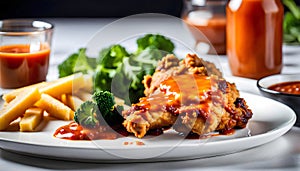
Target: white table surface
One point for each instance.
(281, 154)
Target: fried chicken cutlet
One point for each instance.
(189, 95)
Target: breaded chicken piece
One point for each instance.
(171, 66)
(189, 95)
(139, 122)
(197, 104)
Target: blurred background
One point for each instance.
(86, 8)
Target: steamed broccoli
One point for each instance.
(108, 61)
(86, 115)
(105, 101)
(118, 71)
(102, 78)
(112, 56)
(127, 83)
(155, 40)
(101, 108)
(77, 62)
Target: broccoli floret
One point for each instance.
(77, 62)
(108, 61)
(103, 78)
(86, 115)
(105, 101)
(150, 56)
(102, 108)
(112, 56)
(155, 40)
(127, 83)
(122, 73)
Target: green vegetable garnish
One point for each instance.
(112, 57)
(101, 108)
(291, 23)
(86, 114)
(108, 108)
(118, 71)
(77, 62)
(157, 41)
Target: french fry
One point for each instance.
(31, 119)
(8, 97)
(65, 85)
(73, 102)
(63, 99)
(55, 108)
(45, 96)
(18, 106)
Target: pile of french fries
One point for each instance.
(59, 99)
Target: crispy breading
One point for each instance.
(191, 95)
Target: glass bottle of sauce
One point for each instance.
(207, 22)
(254, 37)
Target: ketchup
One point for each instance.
(20, 67)
(292, 87)
(74, 131)
(254, 37)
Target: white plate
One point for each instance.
(244, 84)
(271, 119)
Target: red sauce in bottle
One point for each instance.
(20, 67)
(292, 87)
(254, 37)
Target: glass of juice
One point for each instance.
(24, 52)
(207, 17)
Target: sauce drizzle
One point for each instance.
(73, 131)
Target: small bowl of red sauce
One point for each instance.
(284, 88)
(24, 52)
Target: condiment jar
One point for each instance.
(254, 37)
(25, 47)
(206, 20)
